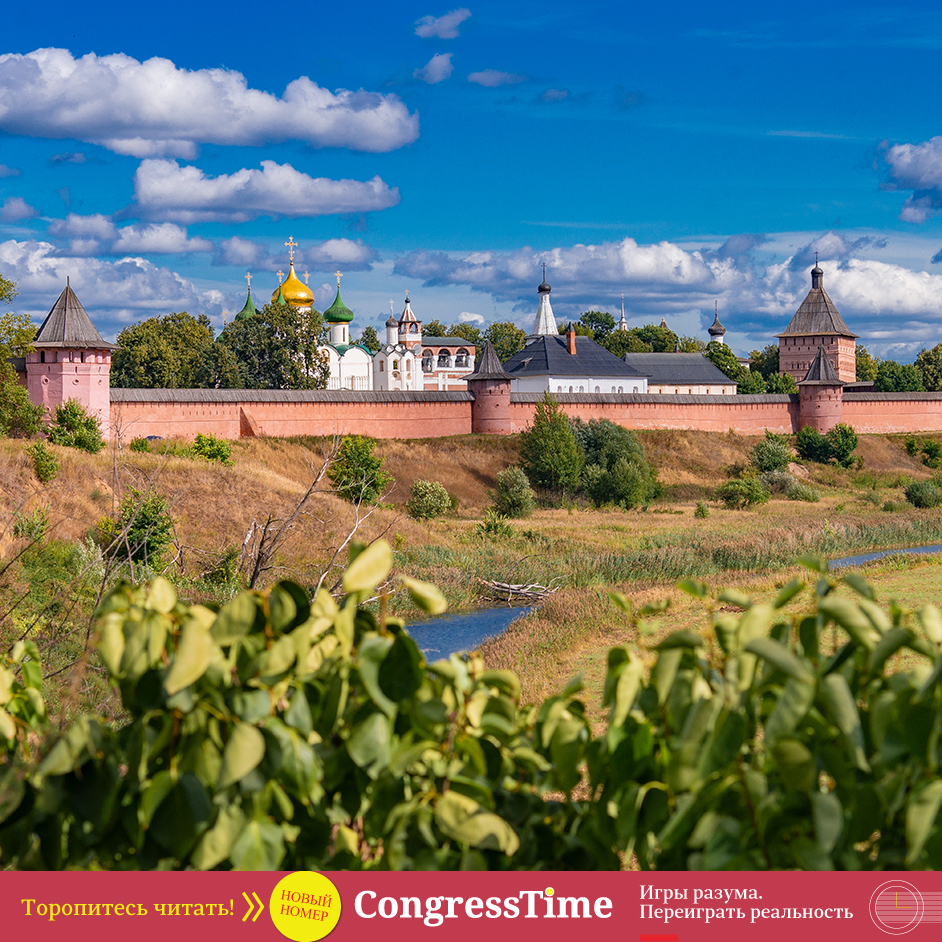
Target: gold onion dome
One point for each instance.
(295, 292)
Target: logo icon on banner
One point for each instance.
(304, 906)
(896, 907)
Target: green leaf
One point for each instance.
(426, 596)
(779, 656)
(369, 569)
(402, 670)
(12, 791)
(182, 816)
(111, 643)
(814, 563)
(260, 846)
(243, 752)
(464, 820)
(788, 592)
(693, 587)
(630, 675)
(859, 585)
(887, 646)
(843, 713)
(161, 596)
(191, 658)
(373, 652)
(152, 797)
(288, 606)
(931, 622)
(237, 618)
(795, 763)
(794, 702)
(851, 618)
(735, 597)
(368, 745)
(685, 638)
(216, 844)
(921, 812)
(7, 726)
(828, 819)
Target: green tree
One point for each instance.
(143, 530)
(660, 339)
(19, 418)
(929, 365)
(357, 473)
(897, 377)
(507, 339)
(866, 365)
(691, 344)
(781, 383)
(720, 355)
(751, 384)
(467, 332)
(163, 352)
(764, 361)
(369, 339)
(434, 328)
(599, 323)
(279, 349)
(549, 453)
(620, 342)
(74, 427)
(616, 471)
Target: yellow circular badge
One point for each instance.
(304, 906)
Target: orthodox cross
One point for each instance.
(292, 245)
(544, 271)
(339, 275)
(391, 307)
(307, 277)
(716, 309)
(248, 278)
(280, 275)
(815, 259)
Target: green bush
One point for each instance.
(616, 472)
(210, 448)
(804, 492)
(777, 482)
(932, 454)
(139, 444)
(513, 496)
(838, 444)
(702, 511)
(32, 526)
(924, 494)
(741, 493)
(285, 733)
(45, 462)
(843, 441)
(912, 446)
(74, 427)
(892, 506)
(811, 445)
(494, 524)
(357, 473)
(142, 532)
(771, 454)
(428, 499)
(549, 453)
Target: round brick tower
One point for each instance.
(490, 386)
(820, 395)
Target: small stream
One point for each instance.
(439, 637)
(869, 557)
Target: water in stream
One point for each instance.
(869, 557)
(464, 631)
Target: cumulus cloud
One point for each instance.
(97, 235)
(884, 303)
(347, 254)
(491, 78)
(441, 27)
(164, 190)
(916, 167)
(114, 293)
(436, 70)
(6, 171)
(16, 209)
(466, 317)
(239, 251)
(154, 109)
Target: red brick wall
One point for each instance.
(893, 412)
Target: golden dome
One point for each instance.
(295, 291)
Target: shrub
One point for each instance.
(357, 473)
(19, 418)
(932, 454)
(549, 453)
(513, 496)
(616, 472)
(771, 454)
(143, 530)
(210, 448)
(843, 441)
(494, 524)
(45, 462)
(74, 427)
(32, 526)
(811, 445)
(912, 446)
(702, 510)
(428, 499)
(741, 492)
(778, 482)
(139, 444)
(892, 506)
(804, 492)
(924, 494)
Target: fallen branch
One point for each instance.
(508, 592)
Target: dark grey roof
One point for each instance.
(444, 341)
(821, 372)
(68, 325)
(683, 368)
(284, 395)
(716, 329)
(817, 314)
(392, 322)
(547, 355)
(488, 365)
(670, 399)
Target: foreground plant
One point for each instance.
(286, 733)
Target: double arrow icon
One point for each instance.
(261, 907)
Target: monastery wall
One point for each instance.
(893, 412)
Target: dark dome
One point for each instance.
(392, 322)
(544, 287)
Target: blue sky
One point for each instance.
(682, 156)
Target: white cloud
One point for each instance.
(154, 109)
(166, 191)
(6, 171)
(437, 69)
(346, 254)
(70, 157)
(239, 251)
(15, 209)
(157, 239)
(114, 293)
(466, 317)
(491, 78)
(96, 226)
(442, 27)
(917, 167)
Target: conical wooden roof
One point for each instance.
(67, 325)
(488, 365)
(821, 372)
(817, 314)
